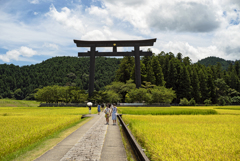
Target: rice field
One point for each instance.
(22, 126)
(188, 137)
(165, 111)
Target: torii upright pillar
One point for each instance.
(114, 43)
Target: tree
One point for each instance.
(160, 94)
(184, 89)
(124, 71)
(138, 95)
(172, 75)
(195, 85)
(211, 87)
(184, 102)
(187, 61)
(179, 56)
(203, 87)
(157, 70)
(113, 97)
(147, 61)
(121, 88)
(18, 94)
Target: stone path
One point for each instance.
(89, 147)
(94, 141)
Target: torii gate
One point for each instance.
(114, 43)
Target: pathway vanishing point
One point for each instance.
(93, 141)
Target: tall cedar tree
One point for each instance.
(196, 93)
(124, 71)
(172, 75)
(211, 86)
(203, 87)
(146, 60)
(184, 89)
(157, 70)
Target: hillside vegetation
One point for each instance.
(18, 103)
(214, 60)
(20, 82)
(184, 82)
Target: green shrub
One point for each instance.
(184, 102)
(223, 100)
(208, 102)
(192, 102)
(236, 99)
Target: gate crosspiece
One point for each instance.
(114, 44)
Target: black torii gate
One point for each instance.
(114, 43)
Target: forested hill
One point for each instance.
(20, 82)
(214, 60)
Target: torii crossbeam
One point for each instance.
(114, 43)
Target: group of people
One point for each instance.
(110, 110)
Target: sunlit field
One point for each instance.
(189, 137)
(22, 126)
(184, 137)
(165, 111)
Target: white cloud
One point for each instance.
(34, 1)
(66, 18)
(195, 53)
(51, 46)
(101, 14)
(174, 15)
(94, 35)
(184, 16)
(16, 54)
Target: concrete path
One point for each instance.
(92, 141)
(113, 148)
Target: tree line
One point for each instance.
(22, 82)
(163, 72)
(192, 81)
(115, 92)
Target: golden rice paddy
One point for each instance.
(22, 126)
(187, 137)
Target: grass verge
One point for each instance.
(127, 146)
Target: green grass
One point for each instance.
(18, 103)
(229, 108)
(165, 111)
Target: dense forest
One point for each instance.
(21, 82)
(214, 60)
(198, 82)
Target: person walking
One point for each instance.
(89, 104)
(99, 108)
(107, 112)
(114, 114)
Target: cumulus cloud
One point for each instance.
(101, 14)
(97, 35)
(195, 53)
(16, 54)
(184, 16)
(33, 1)
(174, 15)
(67, 18)
(51, 46)
(228, 40)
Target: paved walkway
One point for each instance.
(94, 141)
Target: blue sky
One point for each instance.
(32, 31)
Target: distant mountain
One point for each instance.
(214, 60)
